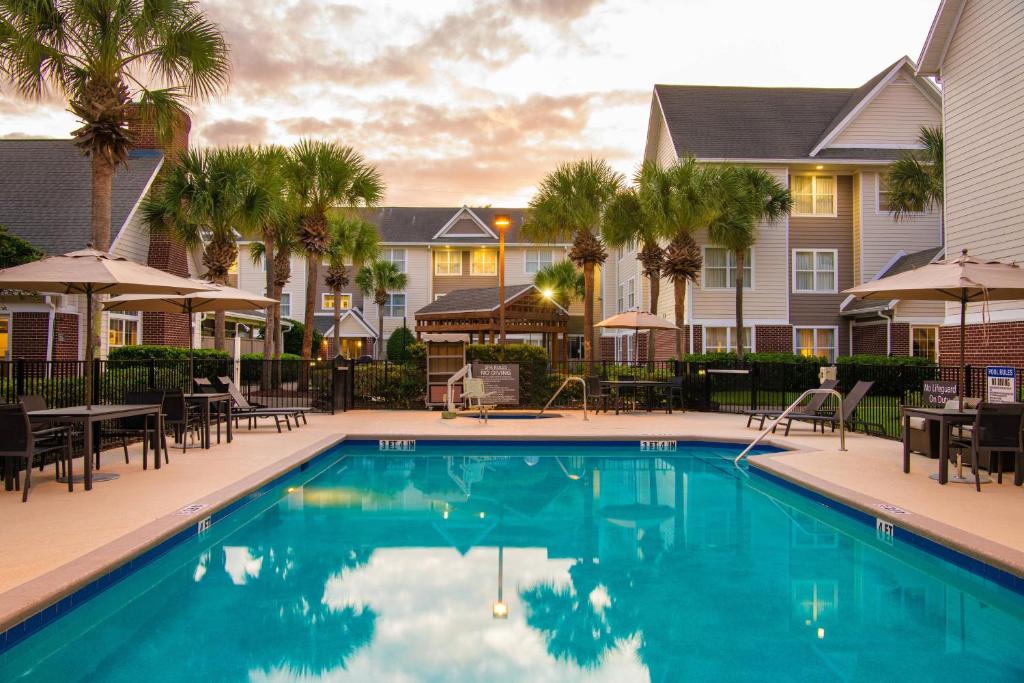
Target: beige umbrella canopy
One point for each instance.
(636, 320)
(963, 279)
(217, 298)
(92, 272)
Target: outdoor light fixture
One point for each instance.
(548, 293)
(499, 610)
(818, 167)
(502, 222)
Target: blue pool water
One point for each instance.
(613, 566)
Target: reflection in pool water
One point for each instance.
(523, 563)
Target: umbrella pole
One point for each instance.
(88, 350)
(191, 346)
(963, 326)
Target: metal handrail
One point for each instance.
(568, 379)
(790, 409)
(462, 372)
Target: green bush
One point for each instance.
(252, 364)
(399, 343)
(892, 375)
(391, 385)
(143, 352)
(293, 338)
(535, 384)
(889, 361)
(169, 360)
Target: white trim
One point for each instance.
(730, 342)
(731, 287)
(940, 14)
(405, 305)
(875, 145)
(329, 334)
(1011, 315)
(910, 338)
(472, 262)
(835, 338)
(405, 256)
(814, 194)
(814, 271)
(852, 161)
(664, 122)
(551, 258)
(449, 252)
(138, 203)
(470, 245)
(864, 101)
(458, 215)
(731, 322)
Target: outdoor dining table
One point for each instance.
(947, 419)
(649, 384)
(205, 401)
(88, 417)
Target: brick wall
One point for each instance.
(870, 339)
(28, 335)
(65, 336)
(606, 350)
(991, 344)
(773, 338)
(900, 345)
(146, 136)
(166, 328)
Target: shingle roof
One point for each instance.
(900, 265)
(715, 122)
(45, 192)
(419, 224)
(473, 300)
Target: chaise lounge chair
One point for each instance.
(810, 408)
(244, 409)
(297, 411)
(850, 403)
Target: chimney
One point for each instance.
(146, 137)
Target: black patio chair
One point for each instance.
(249, 411)
(997, 429)
(43, 430)
(184, 419)
(812, 407)
(848, 417)
(627, 394)
(675, 389)
(205, 386)
(145, 426)
(598, 397)
(19, 443)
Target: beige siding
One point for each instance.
(858, 191)
(418, 269)
(882, 237)
(132, 241)
(659, 141)
(251, 278)
(893, 117)
(983, 80)
(450, 283)
(920, 311)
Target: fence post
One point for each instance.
(19, 378)
(707, 388)
(968, 381)
(677, 367)
(351, 382)
(754, 372)
(152, 373)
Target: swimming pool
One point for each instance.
(534, 562)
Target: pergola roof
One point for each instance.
(477, 311)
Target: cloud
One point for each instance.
(235, 131)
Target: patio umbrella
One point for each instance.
(964, 279)
(92, 272)
(217, 298)
(636, 321)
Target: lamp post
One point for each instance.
(502, 223)
(499, 610)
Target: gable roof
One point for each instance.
(940, 34)
(324, 324)
(430, 224)
(719, 122)
(45, 195)
(902, 264)
(477, 300)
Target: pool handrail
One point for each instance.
(568, 379)
(785, 414)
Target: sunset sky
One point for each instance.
(472, 102)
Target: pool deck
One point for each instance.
(59, 541)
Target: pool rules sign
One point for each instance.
(1002, 384)
(501, 380)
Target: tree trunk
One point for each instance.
(312, 276)
(268, 330)
(588, 311)
(739, 304)
(679, 294)
(102, 186)
(337, 323)
(378, 348)
(220, 334)
(655, 292)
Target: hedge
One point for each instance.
(252, 364)
(148, 352)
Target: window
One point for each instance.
(395, 307)
(327, 301)
(396, 256)
(884, 205)
(123, 330)
(627, 295)
(448, 262)
(5, 335)
(286, 305)
(722, 339)
(624, 348)
(925, 342)
(575, 346)
(485, 262)
(720, 269)
(537, 259)
(814, 195)
(814, 270)
(233, 273)
(816, 341)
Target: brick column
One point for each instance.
(774, 338)
(170, 329)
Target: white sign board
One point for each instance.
(1002, 384)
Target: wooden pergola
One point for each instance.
(476, 312)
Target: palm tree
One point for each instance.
(679, 200)
(377, 279)
(627, 225)
(321, 176)
(915, 180)
(569, 204)
(752, 196)
(102, 57)
(563, 282)
(355, 241)
(201, 201)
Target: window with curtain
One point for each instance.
(123, 330)
(395, 306)
(816, 342)
(631, 294)
(396, 256)
(925, 342)
(720, 269)
(814, 270)
(813, 195)
(448, 262)
(722, 339)
(286, 304)
(485, 262)
(537, 259)
(327, 301)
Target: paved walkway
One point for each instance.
(56, 527)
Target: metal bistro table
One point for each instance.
(947, 418)
(205, 401)
(649, 384)
(88, 417)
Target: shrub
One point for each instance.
(398, 344)
(392, 385)
(293, 338)
(144, 352)
(535, 385)
(252, 364)
(168, 359)
(892, 375)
